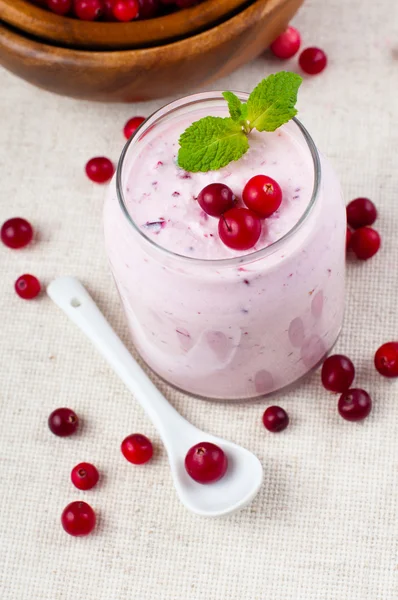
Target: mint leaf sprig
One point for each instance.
(213, 142)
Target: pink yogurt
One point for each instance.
(210, 320)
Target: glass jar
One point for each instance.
(239, 327)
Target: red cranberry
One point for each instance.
(16, 233)
(215, 199)
(126, 10)
(78, 518)
(88, 10)
(206, 462)
(287, 44)
(262, 195)
(338, 373)
(186, 3)
(239, 228)
(348, 236)
(312, 61)
(275, 419)
(99, 169)
(63, 422)
(27, 287)
(148, 9)
(107, 10)
(365, 242)
(84, 476)
(361, 212)
(137, 449)
(354, 405)
(132, 125)
(60, 7)
(386, 359)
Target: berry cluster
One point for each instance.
(114, 10)
(239, 228)
(364, 241)
(311, 60)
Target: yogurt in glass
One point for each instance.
(210, 320)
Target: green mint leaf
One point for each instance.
(210, 144)
(271, 103)
(234, 106)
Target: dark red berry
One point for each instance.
(386, 359)
(137, 449)
(365, 242)
(16, 233)
(186, 3)
(206, 462)
(60, 7)
(99, 169)
(361, 212)
(287, 44)
(239, 228)
(338, 373)
(126, 10)
(215, 199)
(107, 10)
(63, 422)
(348, 236)
(312, 61)
(275, 419)
(354, 405)
(78, 518)
(148, 9)
(132, 125)
(88, 10)
(84, 476)
(262, 195)
(27, 287)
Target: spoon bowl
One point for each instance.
(244, 475)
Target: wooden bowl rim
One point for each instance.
(68, 31)
(108, 60)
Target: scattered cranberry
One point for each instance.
(186, 3)
(137, 449)
(262, 195)
(84, 476)
(215, 199)
(338, 373)
(63, 422)
(78, 518)
(354, 405)
(239, 228)
(16, 233)
(386, 359)
(88, 10)
(275, 419)
(365, 242)
(126, 10)
(361, 212)
(287, 44)
(348, 236)
(312, 61)
(60, 7)
(27, 287)
(132, 125)
(148, 9)
(99, 169)
(206, 462)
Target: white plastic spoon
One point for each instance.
(244, 475)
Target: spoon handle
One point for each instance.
(71, 296)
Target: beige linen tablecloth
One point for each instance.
(324, 526)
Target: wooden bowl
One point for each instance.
(73, 33)
(137, 75)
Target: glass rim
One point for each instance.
(219, 262)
